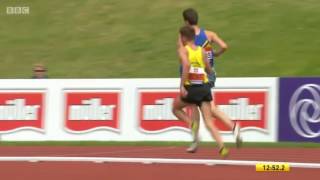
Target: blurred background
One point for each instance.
(121, 39)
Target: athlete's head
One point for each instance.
(187, 34)
(190, 16)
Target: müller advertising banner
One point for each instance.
(90, 110)
(299, 115)
(21, 109)
(249, 107)
(129, 109)
(155, 111)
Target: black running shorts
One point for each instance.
(197, 94)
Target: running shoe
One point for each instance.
(195, 142)
(224, 152)
(193, 147)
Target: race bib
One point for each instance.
(196, 75)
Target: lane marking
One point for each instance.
(153, 160)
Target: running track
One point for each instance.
(87, 170)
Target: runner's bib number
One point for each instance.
(196, 75)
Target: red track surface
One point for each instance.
(81, 171)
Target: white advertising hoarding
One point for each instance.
(128, 109)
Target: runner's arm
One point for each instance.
(213, 37)
(182, 52)
(179, 42)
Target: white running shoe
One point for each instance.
(193, 147)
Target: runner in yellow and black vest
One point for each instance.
(194, 86)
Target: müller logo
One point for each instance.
(240, 109)
(16, 109)
(161, 110)
(155, 111)
(304, 110)
(91, 109)
(249, 107)
(22, 110)
(88, 110)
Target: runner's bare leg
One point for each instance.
(207, 117)
(218, 114)
(178, 111)
(195, 116)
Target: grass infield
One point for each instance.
(137, 39)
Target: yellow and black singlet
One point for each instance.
(197, 73)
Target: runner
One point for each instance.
(194, 87)
(205, 39)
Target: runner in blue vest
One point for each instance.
(206, 39)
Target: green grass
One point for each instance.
(120, 39)
(153, 143)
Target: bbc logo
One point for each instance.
(18, 10)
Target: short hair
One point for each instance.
(187, 32)
(39, 67)
(191, 16)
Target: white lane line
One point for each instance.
(153, 160)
